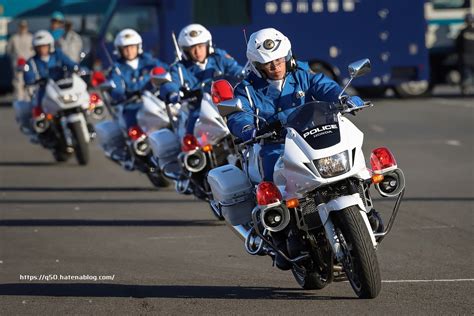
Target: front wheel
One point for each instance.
(157, 179)
(81, 148)
(360, 260)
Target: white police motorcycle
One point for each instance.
(187, 158)
(129, 147)
(319, 203)
(61, 122)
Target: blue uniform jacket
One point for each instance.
(300, 86)
(218, 63)
(39, 69)
(129, 80)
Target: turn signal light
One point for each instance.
(377, 178)
(268, 193)
(292, 203)
(207, 148)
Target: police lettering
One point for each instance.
(320, 129)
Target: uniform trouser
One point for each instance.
(193, 116)
(129, 115)
(270, 154)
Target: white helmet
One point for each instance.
(43, 37)
(127, 37)
(194, 34)
(267, 45)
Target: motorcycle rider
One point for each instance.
(276, 84)
(47, 62)
(200, 64)
(131, 72)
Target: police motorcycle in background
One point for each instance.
(187, 158)
(61, 123)
(319, 200)
(130, 147)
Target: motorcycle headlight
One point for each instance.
(68, 98)
(334, 165)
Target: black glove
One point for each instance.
(275, 126)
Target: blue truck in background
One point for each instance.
(329, 34)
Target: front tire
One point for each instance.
(81, 148)
(157, 179)
(360, 260)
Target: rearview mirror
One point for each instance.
(359, 68)
(228, 107)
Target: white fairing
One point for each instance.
(295, 172)
(210, 127)
(152, 116)
(57, 99)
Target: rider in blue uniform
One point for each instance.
(47, 63)
(131, 73)
(201, 64)
(276, 84)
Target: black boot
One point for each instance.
(375, 221)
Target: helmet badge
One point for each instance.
(194, 33)
(268, 44)
(128, 35)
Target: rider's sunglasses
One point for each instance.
(276, 63)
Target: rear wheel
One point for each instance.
(360, 260)
(81, 148)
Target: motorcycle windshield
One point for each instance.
(317, 123)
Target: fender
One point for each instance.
(341, 203)
(79, 117)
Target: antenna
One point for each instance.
(245, 36)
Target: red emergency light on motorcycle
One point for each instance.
(268, 193)
(135, 132)
(382, 160)
(221, 90)
(189, 143)
(97, 78)
(388, 178)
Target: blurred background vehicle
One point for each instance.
(329, 34)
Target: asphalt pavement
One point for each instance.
(98, 239)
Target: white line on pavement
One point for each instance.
(377, 128)
(427, 281)
(453, 142)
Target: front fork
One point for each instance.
(339, 205)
